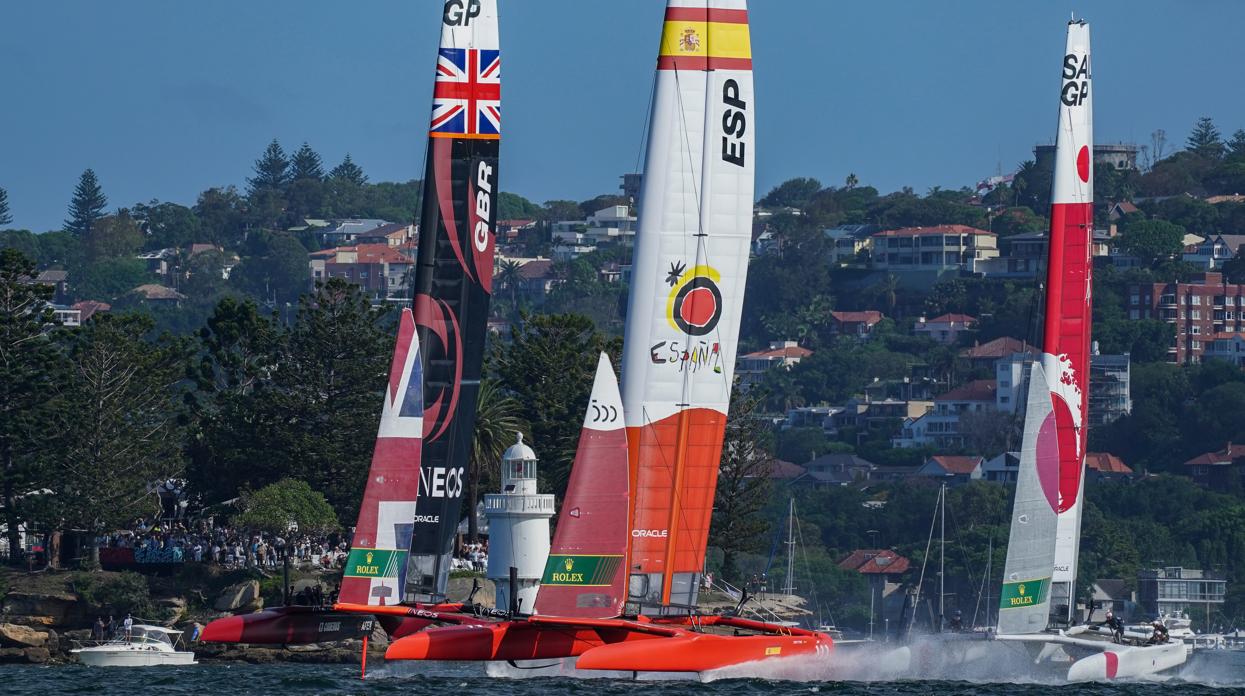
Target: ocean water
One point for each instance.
(435, 679)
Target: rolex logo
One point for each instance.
(570, 564)
(1021, 589)
(369, 558)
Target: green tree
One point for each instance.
(285, 505)
(743, 485)
(221, 215)
(30, 363)
(276, 271)
(793, 193)
(1205, 139)
(1236, 146)
(5, 217)
(272, 171)
(548, 366)
(306, 164)
(167, 225)
(118, 422)
(1152, 241)
(87, 205)
(348, 171)
(303, 401)
(109, 278)
(511, 206)
(497, 421)
(113, 236)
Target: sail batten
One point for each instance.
(453, 277)
(690, 262)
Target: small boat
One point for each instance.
(146, 646)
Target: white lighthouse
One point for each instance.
(518, 523)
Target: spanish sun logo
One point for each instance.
(695, 302)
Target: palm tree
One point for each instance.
(497, 420)
(509, 277)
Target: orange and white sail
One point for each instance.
(690, 267)
(1065, 343)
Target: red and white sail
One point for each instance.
(691, 262)
(585, 574)
(376, 567)
(1065, 343)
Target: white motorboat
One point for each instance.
(146, 646)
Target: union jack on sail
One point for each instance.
(467, 97)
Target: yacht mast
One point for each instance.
(789, 589)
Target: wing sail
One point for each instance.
(691, 262)
(454, 271)
(584, 576)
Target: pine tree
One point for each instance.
(349, 171)
(87, 205)
(1205, 139)
(5, 217)
(1236, 146)
(306, 164)
(272, 170)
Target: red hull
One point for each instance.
(288, 626)
(700, 652)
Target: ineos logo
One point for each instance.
(1076, 80)
(459, 13)
(484, 205)
(734, 124)
(441, 482)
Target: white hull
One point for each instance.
(108, 657)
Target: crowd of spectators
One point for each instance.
(202, 541)
(471, 556)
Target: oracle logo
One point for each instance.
(652, 533)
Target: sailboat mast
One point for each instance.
(790, 586)
(942, 555)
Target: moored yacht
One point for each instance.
(143, 646)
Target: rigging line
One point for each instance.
(920, 583)
(959, 540)
(648, 118)
(812, 587)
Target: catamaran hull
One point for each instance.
(702, 652)
(505, 642)
(289, 626)
(1128, 662)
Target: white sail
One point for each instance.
(1024, 603)
(1065, 346)
(691, 262)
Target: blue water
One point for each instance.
(292, 679)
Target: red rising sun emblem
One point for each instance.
(695, 302)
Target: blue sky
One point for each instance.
(164, 99)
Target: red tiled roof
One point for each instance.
(1223, 456)
(540, 268)
(938, 229)
(784, 352)
(949, 318)
(368, 253)
(954, 464)
(868, 317)
(998, 348)
(783, 470)
(875, 561)
(87, 308)
(1106, 463)
(976, 390)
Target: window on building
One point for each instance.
(1134, 299)
(1134, 314)
(1197, 330)
(1195, 314)
(1197, 299)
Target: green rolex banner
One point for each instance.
(580, 571)
(374, 563)
(1024, 593)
